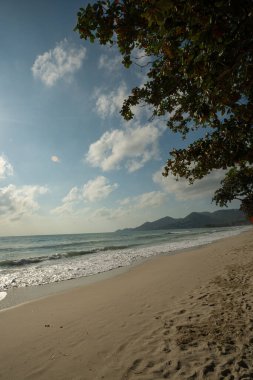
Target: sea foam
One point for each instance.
(44, 272)
(2, 295)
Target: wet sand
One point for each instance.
(187, 316)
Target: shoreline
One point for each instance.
(182, 316)
(20, 296)
(17, 296)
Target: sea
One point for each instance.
(37, 260)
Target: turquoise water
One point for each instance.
(36, 260)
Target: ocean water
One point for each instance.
(37, 260)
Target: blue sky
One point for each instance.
(68, 162)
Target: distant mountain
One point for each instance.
(220, 218)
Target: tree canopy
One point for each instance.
(200, 75)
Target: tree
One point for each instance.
(200, 76)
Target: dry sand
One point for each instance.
(187, 316)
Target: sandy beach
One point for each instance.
(186, 316)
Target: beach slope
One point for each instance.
(186, 316)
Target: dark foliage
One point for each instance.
(200, 73)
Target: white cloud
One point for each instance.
(113, 62)
(202, 188)
(145, 200)
(102, 212)
(6, 169)
(128, 206)
(110, 64)
(94, 190)
(151, 199)
(97, 189)
(111, 213)
(73, 195)
(55, 159)
(16, 202)
(110, 103)
(58, 63)
(125, 201)
(65, 208)
(134, 146)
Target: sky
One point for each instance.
(69, 163)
